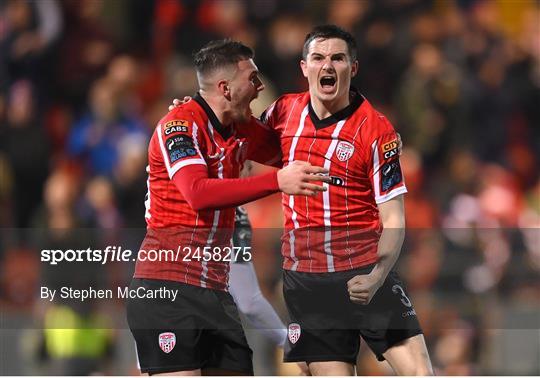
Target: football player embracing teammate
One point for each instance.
(195, 157)
(340, 246)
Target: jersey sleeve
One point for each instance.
(264, 145)
(383, 161)
(181, 142)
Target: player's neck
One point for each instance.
(218, 106)
(324, 109)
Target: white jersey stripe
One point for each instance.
(308, 245)
(347, 192)
(326, 199)
(194, 134)
(393, 193)
(215, 223)
(376, 175)
(163, 150)
(290, 115)
(298, 133)
(291, 198)
(185, 163)
(191, 245)
(147, 214)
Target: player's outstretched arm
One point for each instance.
(362, 288)
(202, 192)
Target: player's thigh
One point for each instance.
(230, 352)
(318, 306)
(390, 318)
(410, 357)
(167, 333)
(327, 368)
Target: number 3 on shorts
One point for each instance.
(396, 289)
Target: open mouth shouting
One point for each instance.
(328, 84)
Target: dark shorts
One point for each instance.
(326, 325)
(201, 329)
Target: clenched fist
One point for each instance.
(362, 288)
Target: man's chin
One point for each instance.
(326, 97)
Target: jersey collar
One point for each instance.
(356, 101)
(225, 132)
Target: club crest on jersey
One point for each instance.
(167, 341)
(344, 151)
(294, 332)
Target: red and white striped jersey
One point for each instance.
(192, 134)
(338, 229)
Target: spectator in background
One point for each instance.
(129, 179)
(84, 52)
(94, 138)
(77, 335)
(31, 29)
(99, 204)
(26, 149)
(285, 36)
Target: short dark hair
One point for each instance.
(327, 32)
(222, 52)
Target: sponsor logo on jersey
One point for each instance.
(344, 151)
(388, 154)
(294, 332)
(177, 122)
(167, 341)
(390, 145)
(338, 181)
(391, 175)
(176, 129)
(179, 147)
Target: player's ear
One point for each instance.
(224, 88)
(354, 68)
(303, 66)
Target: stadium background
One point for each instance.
(83, 82)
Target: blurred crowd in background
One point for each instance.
(84, 82)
